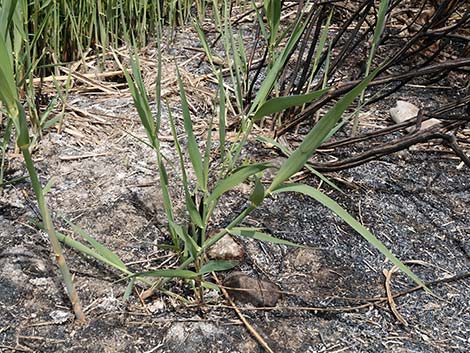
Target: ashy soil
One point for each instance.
(333, 300)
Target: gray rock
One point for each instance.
(405, 111)
(226, 249)
(248, 290)
(60, 316)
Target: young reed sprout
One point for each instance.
(71, 27)
(16, 114)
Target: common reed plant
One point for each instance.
(11, 44)
(88, 26)
(191, 243)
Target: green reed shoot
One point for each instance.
(189, 235)
(16, 113)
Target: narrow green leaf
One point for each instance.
(380, 25)
(6, 14)
(22, 133)
(110, 256)
(205, 45)
(48, 111)
(255, 234)
(257, 195)
(210, 285)
(235, 179)
(193, 149)
(222, 117)
(216, 266)
(158, 82)
(139, 95)
(140, 100)
(237, 65)
(287, 152)
(278, 104)
(5, 143)
(273, 13)
(87, 251)
(189, 242)
(128, 291)
(321, 47)
(8, 93)
(48, 186)
(315, 137)
(53, 121)
(207, 153)
(194, 212)
(277, 67)
(358, 227)
(165, 192)
(190, 205)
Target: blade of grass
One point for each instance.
(378, 30)
(315, 137)
(15, 111)
(235, 179)
(216, 266)
(87, 251)
(278, 104)
(168, 273)
(358, 227)
(5, 143)
(319, 50)
(257, 196)
(287, 152)
(190, 205)
(139, 96)
(188, 241)
(277, 67)
(193, 149)
(222, 118)
(110, 256)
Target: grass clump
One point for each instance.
(189, 237)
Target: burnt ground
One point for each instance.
(106, 181)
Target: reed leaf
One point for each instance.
(222, 118)
(316, 136)
(235, 179)
(190, 205)
(168, 273)
(279, 104)
(107, 254)
(216, 266)
(276, 68)
(287, 152)
(193, 149)
(344, 215)
(257, 196)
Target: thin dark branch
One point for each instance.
(399, 145)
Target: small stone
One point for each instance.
(156, 306)
(245, 289)
(40, 282)
(406, 111)
(60, 316)
(428, 123)
(307, 260)
(110, 304)
(226, 249)
(403, 111)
